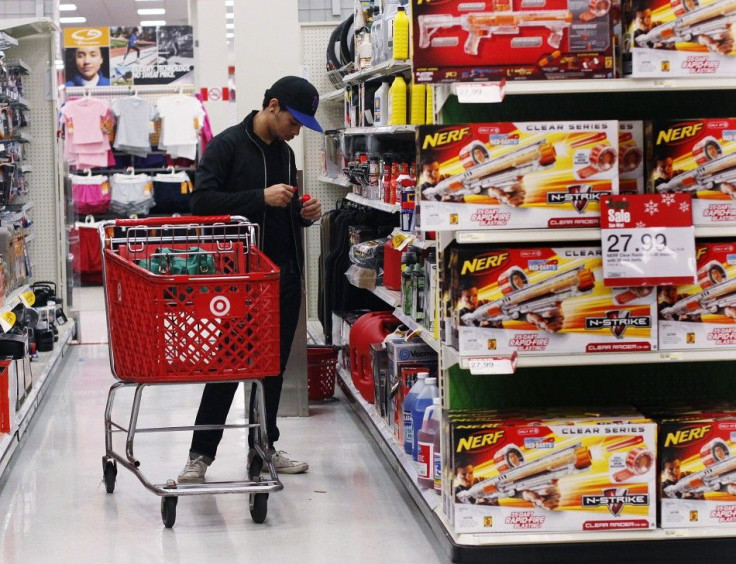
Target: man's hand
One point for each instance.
(514, 197)
(547, 497)
(311, 209)
(721, 43)
(551, 321)
(278, 195)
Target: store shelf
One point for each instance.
(380, 130)
(19, 65)
(565, 235)
(375, 204)
(44, 370)
(391, 297)
(387, 68)
(334, 96)
(25, 27)
(402, 463)
(616, 85)
(344, 182)
(451, 357)
(424, 333)
(6, 41)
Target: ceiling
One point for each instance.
(103, 13)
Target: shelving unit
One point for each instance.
(375, 204)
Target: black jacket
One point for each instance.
(231, 178)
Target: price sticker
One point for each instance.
(28, 298)
(480, 92)
(648, 240)
(492, 364)
(7, 320)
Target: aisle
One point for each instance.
(349, 507)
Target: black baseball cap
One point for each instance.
(299, 97)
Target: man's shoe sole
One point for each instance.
(300, 469)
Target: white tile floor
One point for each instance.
(349, 507)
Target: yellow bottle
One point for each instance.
(397, 102)
(418, 103)
(401, 35)
(429, 113)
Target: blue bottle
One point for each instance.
(423, 401)
(409, 402)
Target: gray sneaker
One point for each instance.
(193, 472)
(285, 465)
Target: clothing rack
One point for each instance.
(127, 90)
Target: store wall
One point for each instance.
(324, 10)
(29, 9)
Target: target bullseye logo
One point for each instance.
(220, 305)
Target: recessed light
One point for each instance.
(152, 23)
(229, 35)
(151, 11)
(229, 2)
(229, 26)
(73, 19)
(67, 7)
(229, 16)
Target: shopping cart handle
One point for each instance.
(177, 220)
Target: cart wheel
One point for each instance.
(168, 510)
(109, 472)
(258, 507)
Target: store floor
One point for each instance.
(348, 508)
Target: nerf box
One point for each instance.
(545, 300)
(516, 175)
(701, 315)
(563, 475)
(697, 471)
(697, 156)
(512, 39)
(631, 168)
(676, 38)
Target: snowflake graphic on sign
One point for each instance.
(640, 224)
(668, 199)
(684, 206)
(651, 207)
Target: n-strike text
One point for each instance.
(480, 441)
(565, 126)
(687, 435)
(445, 137)
(483, 263)
(679, 133)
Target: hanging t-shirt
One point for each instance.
(134, 116)
(85, 115)
(181, 117)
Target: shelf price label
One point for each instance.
(492, 364)
(480, 92)
(648, 240)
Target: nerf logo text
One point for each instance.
(479, 441)
(615, 500)
(445, 137)
(679, 133)
(479, 264)
(684, 436)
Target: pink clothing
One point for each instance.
(85, 115)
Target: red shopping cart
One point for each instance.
(189, 300)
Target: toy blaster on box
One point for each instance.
(553, 475)
(698, 157)
(480, 41)
(702, 315)
(542, 300)
(698, 471)
(516, 175)
(679, 38)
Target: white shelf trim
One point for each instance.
(390, 208)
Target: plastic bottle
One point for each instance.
(401, 35)
(390, 7)
(397, 102)
(428, 455)
(409, 402)
(380, 104)
(378, 44)
(418, 104)
(423, 401)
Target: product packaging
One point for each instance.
(697, 156)
(516, 175)
(542, 301)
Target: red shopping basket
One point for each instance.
(321, 372)
(204, 327)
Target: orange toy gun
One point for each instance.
(486, 25)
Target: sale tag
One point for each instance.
(480, 92)
(28, 298)
(648, 240)
(7, 320)
(493, 364)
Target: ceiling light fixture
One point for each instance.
(229, 26)
(151, 11)
(152, 23)
(229, 16)
(67, 7)
(73, 19)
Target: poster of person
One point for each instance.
(129, 56)
(87, 56)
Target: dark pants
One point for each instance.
(217, 398)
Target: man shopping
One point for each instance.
(250, 170)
